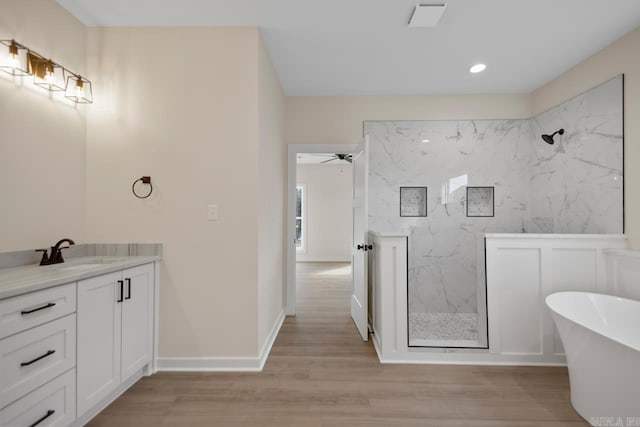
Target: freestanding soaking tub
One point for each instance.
(601, 338)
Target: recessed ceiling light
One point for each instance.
(478, 68)
(425, 140)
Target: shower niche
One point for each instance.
(490, 176)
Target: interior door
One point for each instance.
(359, 243)
(137, 319)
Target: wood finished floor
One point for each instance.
(321, 374)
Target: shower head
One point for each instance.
(549, 138)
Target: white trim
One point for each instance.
(224, 364)
(443, 357)
(271, 338)
(322, 259)
(152, 368)
(209, 364)
(292, 151)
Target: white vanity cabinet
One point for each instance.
(68, 348)
(115, 331)
(37, 358)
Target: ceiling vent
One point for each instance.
(427, 15)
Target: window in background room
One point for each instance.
(300, 218)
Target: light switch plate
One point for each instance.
(212, 212)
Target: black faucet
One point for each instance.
(56, 253)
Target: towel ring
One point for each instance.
(144, 180)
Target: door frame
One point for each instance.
(292, 156)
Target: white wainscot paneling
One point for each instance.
(518, 290)
(623, 273)
(522, 270)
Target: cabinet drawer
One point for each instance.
(53, 404)
(26, 311)
(31, 358)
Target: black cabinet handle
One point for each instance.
(47, 354)
(44, 417)
(49, 305)
(121, 297)
(128, 288)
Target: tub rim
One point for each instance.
(599, 295)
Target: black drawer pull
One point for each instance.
(128, 289)
(121, 296)
(33, 310)
(47, 354)
(44, 417)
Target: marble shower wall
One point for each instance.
(574, 186)
(442, 246)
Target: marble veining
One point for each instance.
(442, 246)
(576, 183)
(573, 186)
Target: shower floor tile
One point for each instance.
(443, 326)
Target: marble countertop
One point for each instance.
(29, 278)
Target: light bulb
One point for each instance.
(13, 55)
(49, 75)
(80, 89)
(13, 60)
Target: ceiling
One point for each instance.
(365, 47)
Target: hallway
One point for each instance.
(321, 374)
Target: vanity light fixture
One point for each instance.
(22, 61)
(14, 62)
(46, 73)
(79, 89)
(478, 68)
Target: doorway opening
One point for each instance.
(323, 233)
(319, 226)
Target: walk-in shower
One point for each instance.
(445, 184)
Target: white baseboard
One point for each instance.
(224, 364)
(322, 259)
(376, 344)
(271, 338)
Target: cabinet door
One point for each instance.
(137, 319)
(99, 321)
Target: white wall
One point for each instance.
(338, 119)
(42, 136)
(328, 211)
(272, 183)
(197, 137)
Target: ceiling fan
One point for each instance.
(345, 157)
